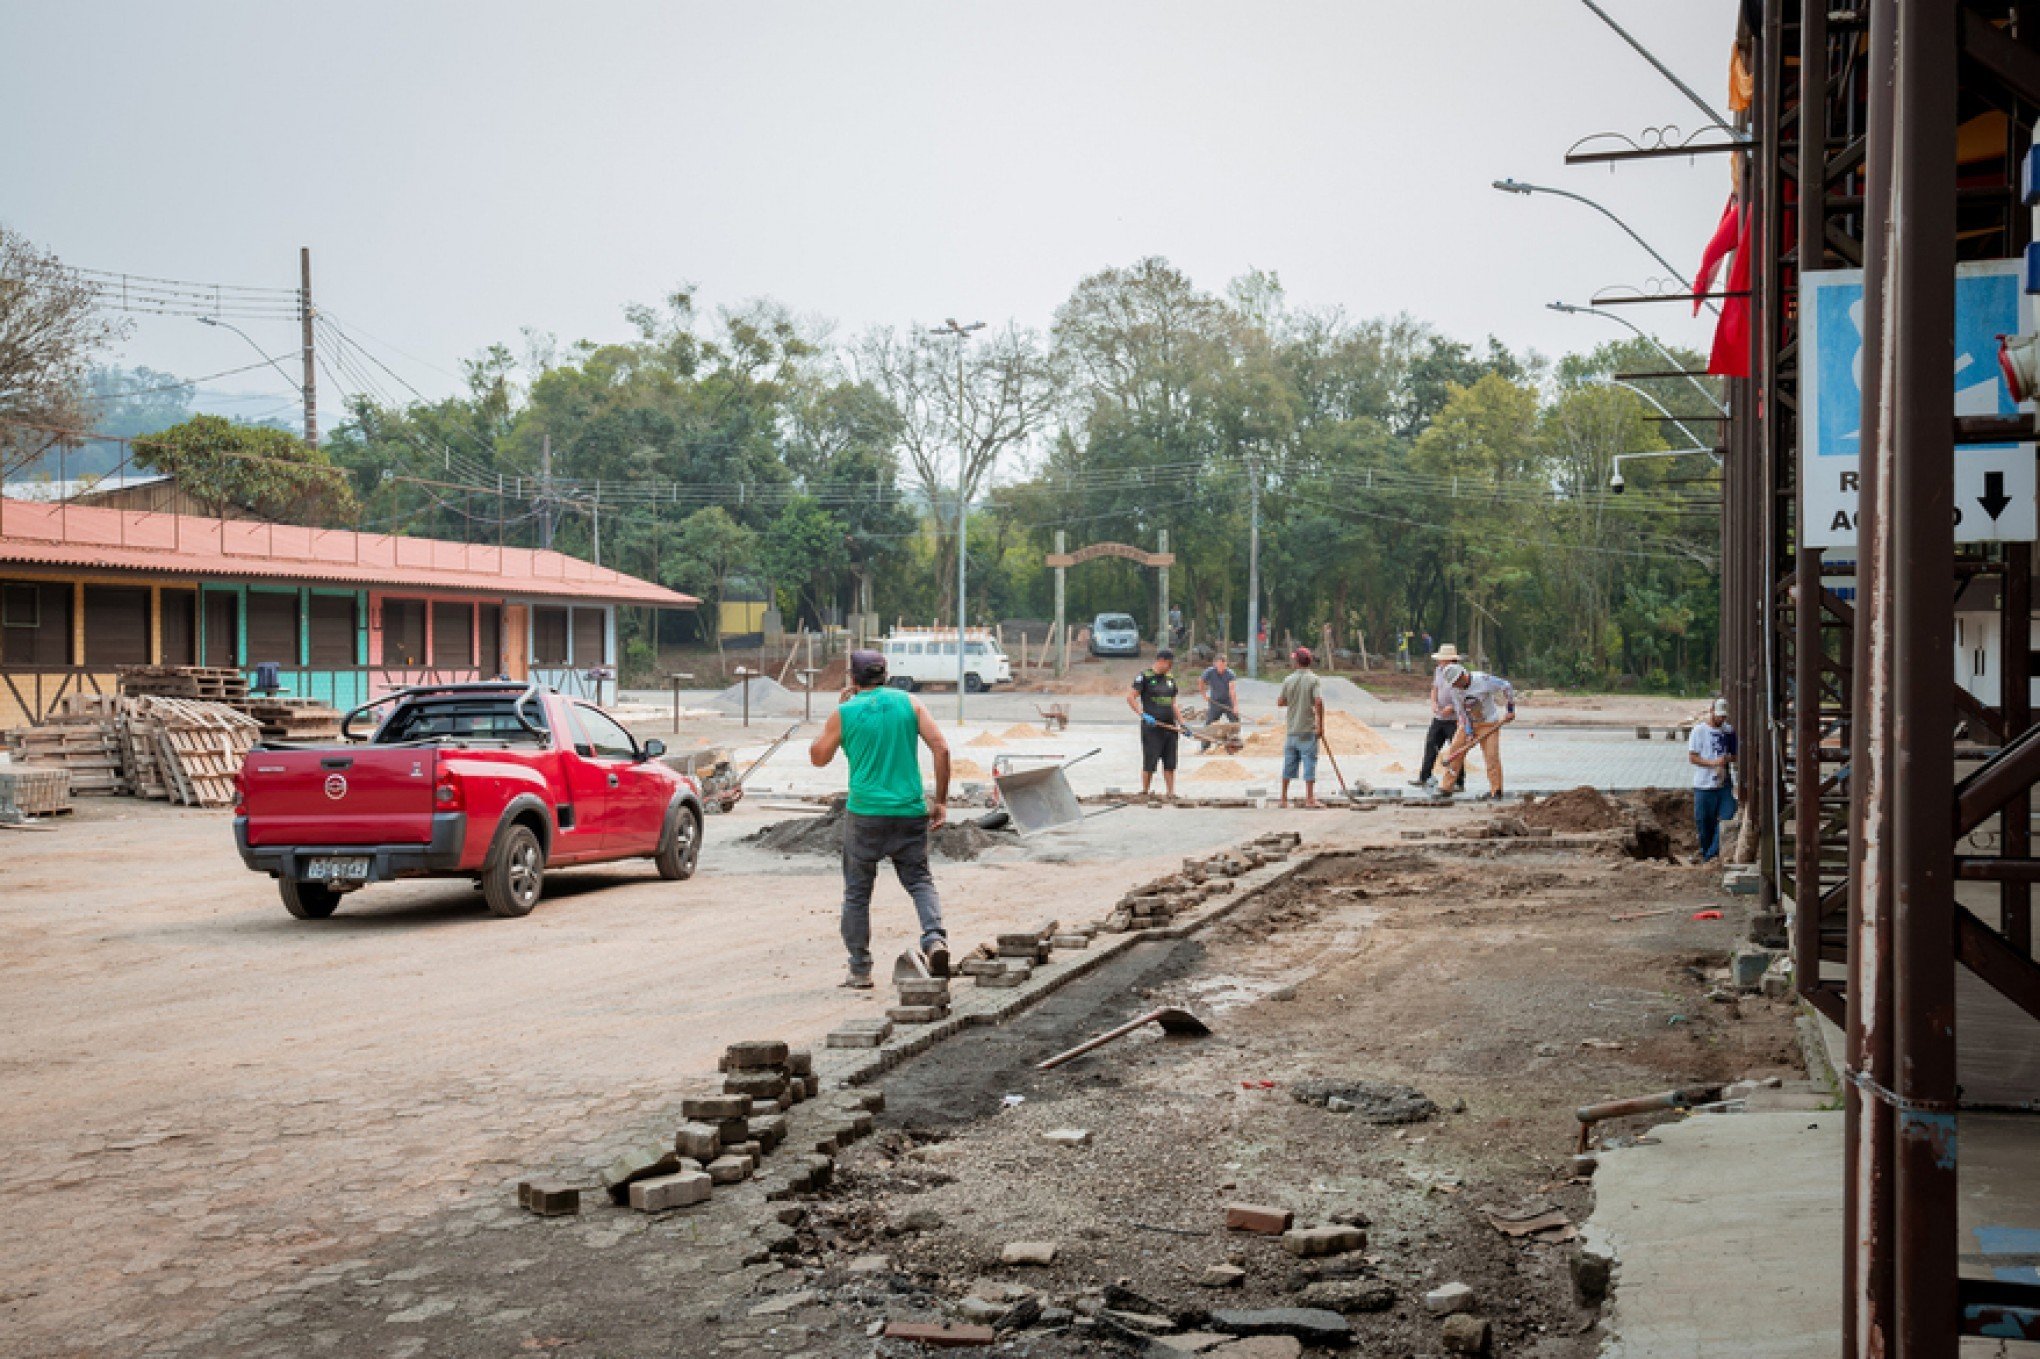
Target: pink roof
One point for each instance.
(88, 536)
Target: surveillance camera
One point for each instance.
(1615, 483)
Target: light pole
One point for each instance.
(1615, 482)
(1518, 186)
(1661, 408)
(226, 325)
(961, 333)
(1677, 363)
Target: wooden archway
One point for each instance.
(1062, 559)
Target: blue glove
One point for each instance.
(1147, 719)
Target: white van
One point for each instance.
(928, 656)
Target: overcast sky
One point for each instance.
(463, 171)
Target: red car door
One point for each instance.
(591, 786)
(636, 810)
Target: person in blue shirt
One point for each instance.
(1710, 750)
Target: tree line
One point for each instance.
(1406, 481)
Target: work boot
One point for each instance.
(858, 981)
(1420, 783)
(938, 958)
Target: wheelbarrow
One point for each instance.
(1055, 717)
(1041, 799)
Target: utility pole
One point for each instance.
(1253, 567)
(961, 333)
(311, 390)
(545, 525)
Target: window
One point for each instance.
(549, 636)
(453, 635)
(913, 648)
(978, 649)
(20, 606)
(333, 631)
(479, 719)
(588, 637)
(116, 625)
(35, 624)
(490, 658)
(272, 627)
(403, 628)
(610, 740)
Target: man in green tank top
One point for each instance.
(881, 730)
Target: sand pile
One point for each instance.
(823, 834)
(1346, 734)
(984, 738)
(966, 769)
(1217, 771)
(768, 696)
(1020, 731)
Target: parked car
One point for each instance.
(493, 781)
(1115, 634)
(928, 656)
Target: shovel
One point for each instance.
(1174, 1021)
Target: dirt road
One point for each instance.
(206, 1102)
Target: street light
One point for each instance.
(1677, 363)
(1518, 186)
(1615, 482)
(226, 325)
(1661, 408)
(961, 333)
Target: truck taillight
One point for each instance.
(241, 792)
(446, 794)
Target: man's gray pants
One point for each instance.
(869, 841)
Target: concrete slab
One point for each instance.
(1726, 1237)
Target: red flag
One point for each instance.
(1718, 246)
(1731, 357)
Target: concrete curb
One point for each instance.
(982, 1008)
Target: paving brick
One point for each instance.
(549, 1198)
(800, 1061)
(1013, 973)
(922, 992)
(1068, 1137)
(1335, 1239)
(702, 1141)
(731, 1131)
(917, 1014)
(981, 967)
(769, 1131)
(729, 1169)
(1071, 941)
(640, 1163)
(872, 1101)
(1451, 1298)
(664, 1192)
(1252, 1217)
(753, 1149)
(756, 1084)
(753, 1054)
(1028, 1253)
(943, 1337)
(862, 1033)
(715, 1108)
(1466, 1334)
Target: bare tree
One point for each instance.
(50, 325)
(1009, 390)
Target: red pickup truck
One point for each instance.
(495, 781)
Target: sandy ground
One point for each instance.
(202, 1099)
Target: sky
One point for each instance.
(463, 171)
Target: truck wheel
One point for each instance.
(902, 682)
(682, 849)
(512, 883)
(307, 900)
(972, 683)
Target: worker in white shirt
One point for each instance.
(1484, 704)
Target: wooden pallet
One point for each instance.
(215, 684)
(33, 790)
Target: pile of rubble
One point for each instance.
(1161, 901)
(724, 1140)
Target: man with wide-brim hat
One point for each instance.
(1444, 717)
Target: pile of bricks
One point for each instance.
(1012, 959)
(923, 1000)
(1159, 902)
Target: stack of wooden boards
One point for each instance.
(184, 750)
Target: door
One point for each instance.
(180, 627)
(517, 641)
(222, 630)
(591, 791)
(637, 796)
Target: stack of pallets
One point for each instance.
(83, 748)
(293, 719)
(212, 683)
(198, 746)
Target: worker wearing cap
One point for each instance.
(1710, 750)
(888, 816)
(1154, 700)
(1482, 705)
(1444, 714)
(1306, 723)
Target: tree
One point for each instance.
(267, 471)
(807, 548)
(713, 548)
(50, 326)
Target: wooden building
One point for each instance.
(344, 616)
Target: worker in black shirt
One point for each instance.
(1154, 699)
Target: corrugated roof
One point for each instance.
(100, 538)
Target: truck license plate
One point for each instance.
(339, 870)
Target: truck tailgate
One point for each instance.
(344, 795)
